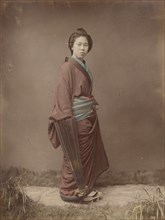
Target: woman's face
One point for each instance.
(80, 47)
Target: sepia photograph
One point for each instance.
(82, 109)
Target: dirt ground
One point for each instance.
(112, 195)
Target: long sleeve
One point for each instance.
(63, 100)
(62, 103)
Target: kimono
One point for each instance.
(75, 81)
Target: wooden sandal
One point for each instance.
(93, 196)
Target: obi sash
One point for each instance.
(84, 107)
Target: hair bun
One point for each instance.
(81, 31)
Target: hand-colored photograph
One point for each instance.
(82, 109)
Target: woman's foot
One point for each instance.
(74, 199)
(93, 196)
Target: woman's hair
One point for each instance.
(78, 33)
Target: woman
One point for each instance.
(74, 124)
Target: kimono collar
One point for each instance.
(81, 62)
(80, 66)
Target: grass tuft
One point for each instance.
(150, 208)
(13, 200)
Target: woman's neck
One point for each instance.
(82, 60)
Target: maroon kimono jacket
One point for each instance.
(75, 81)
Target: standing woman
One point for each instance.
(74, 124)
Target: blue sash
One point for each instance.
(84, 107)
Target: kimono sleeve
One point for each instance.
(62, 104)
(63, 95)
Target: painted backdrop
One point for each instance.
(127, 64)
